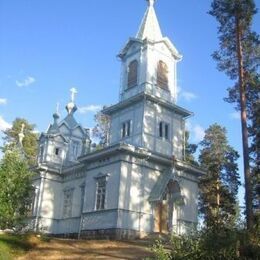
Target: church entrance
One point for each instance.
(163, 213)
(160, 224)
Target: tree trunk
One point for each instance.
(218, 202)
(247, 176)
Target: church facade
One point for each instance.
(139, 182)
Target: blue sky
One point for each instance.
(47, 47)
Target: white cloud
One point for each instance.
(26, 82)
(3, 124)
(90, 108)
(3, 101)
(198, 133)
(186, 95)
(36, 131)
(188, 125)
(235, 115)
(178, 90)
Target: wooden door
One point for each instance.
(160, 217)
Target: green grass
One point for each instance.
(12, 245)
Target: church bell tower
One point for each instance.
(149, 61)
(147, 115)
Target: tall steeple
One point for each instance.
(150, 28)
(149, 61)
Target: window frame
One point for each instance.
(101, 192)
(82, 196)
(126, 129)
(162, 72)
(57, 151)
(74, 150)
(164, 130)
(132, 68)
(67, 202)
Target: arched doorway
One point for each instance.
(163, 213)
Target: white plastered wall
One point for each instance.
(102, 219)
(136, 183)
(135, 115)
(153, 115)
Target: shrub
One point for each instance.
(160, 252)
(219, 244)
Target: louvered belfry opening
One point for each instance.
(132, 74)
(162, 75)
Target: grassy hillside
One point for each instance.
(14, 245)
(31, 247)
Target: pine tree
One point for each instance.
(218, 189)
(254, 132)
(239, 58)
(190, 150)
(30, 143)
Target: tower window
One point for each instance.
(132, 74)
(164, 130)
(57, 151)
(162, 75)
(161, 129)
(126, 129)
(74, 150)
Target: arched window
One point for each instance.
(132, 74)
(162, 75)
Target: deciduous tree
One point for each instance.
(30, 143)
(15, 189)
(101, 129)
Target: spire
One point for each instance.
(150, 2)
(150, 27)
(71, 107)
(21, 135)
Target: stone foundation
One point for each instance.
(67, 235)
(113, 233)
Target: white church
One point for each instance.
(138, 183)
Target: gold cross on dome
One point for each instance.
(73, 94)
(57, 108)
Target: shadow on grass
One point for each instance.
(16, 242)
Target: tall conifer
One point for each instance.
(239, 58)
(218, 189)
